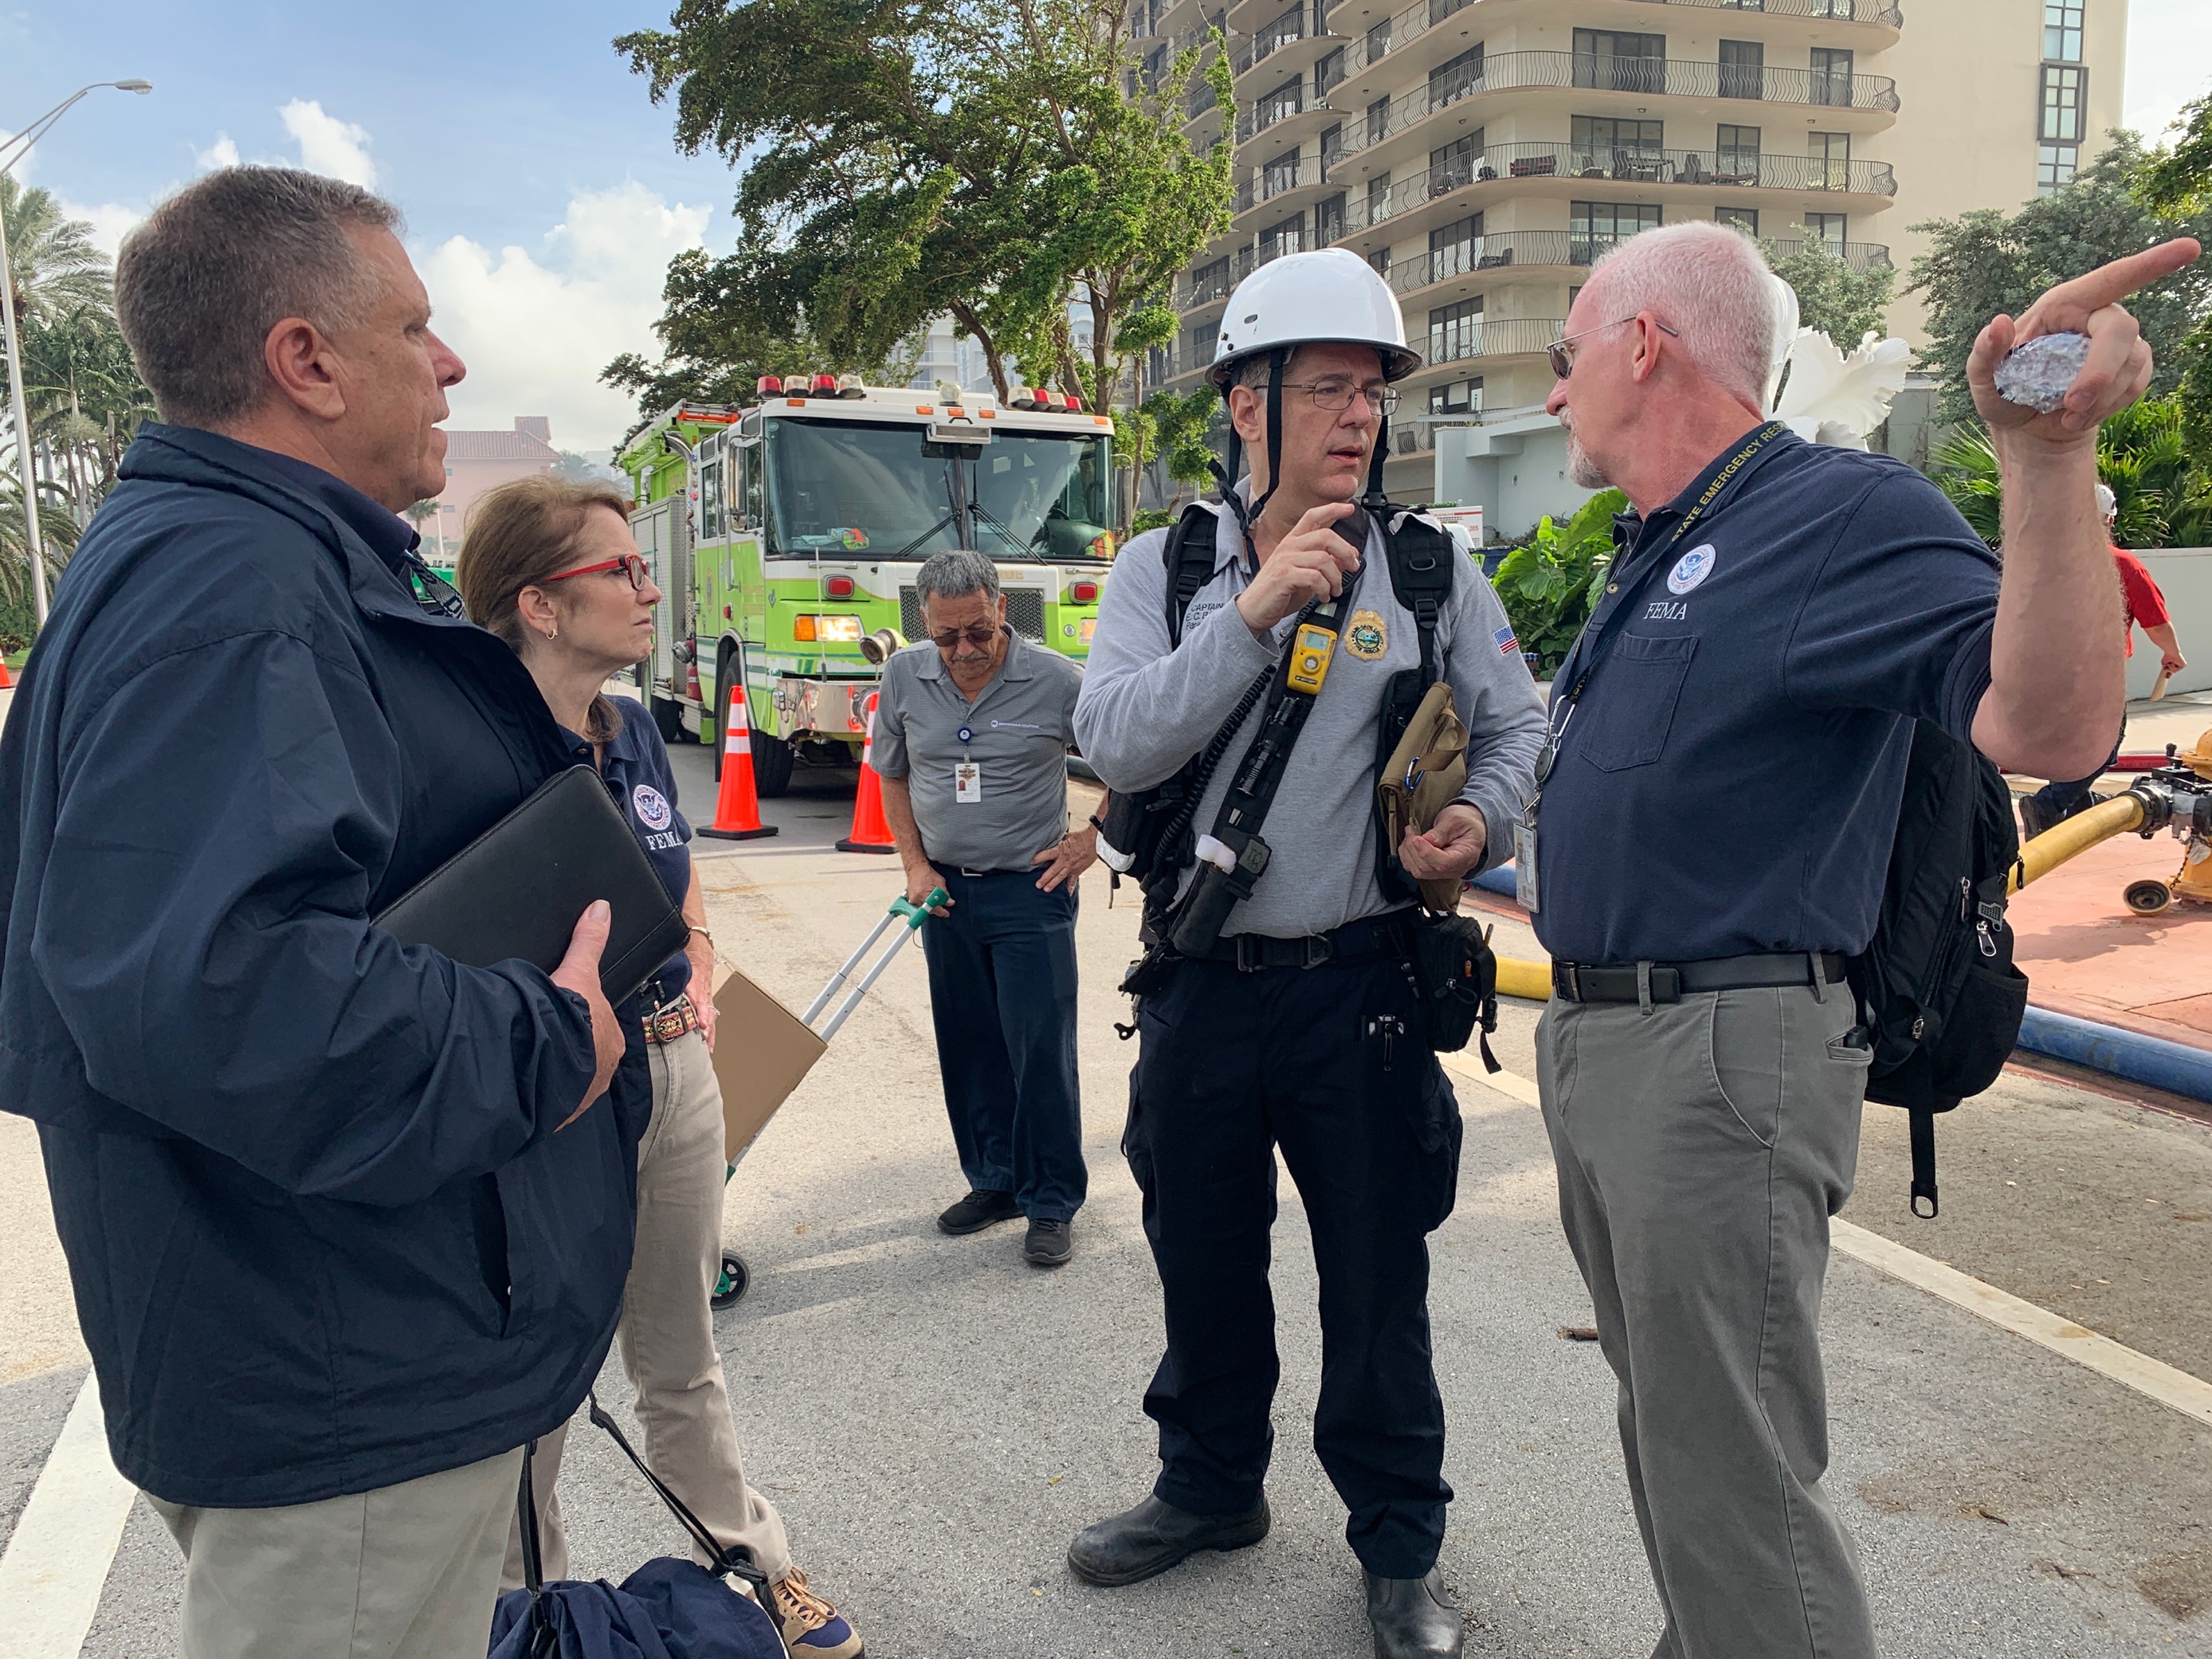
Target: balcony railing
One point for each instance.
(1503, 337)
(1203, 288)
(1270, 38)
(1800, 174)
(1859, 255)
(1276, 179)
(1841, 11)
(1496, 252)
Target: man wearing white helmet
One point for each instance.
(2141, 606)
(1294, 1022)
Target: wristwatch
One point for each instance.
(1095, 822)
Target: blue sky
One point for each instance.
(543, 195)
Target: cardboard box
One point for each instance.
(763, 1051)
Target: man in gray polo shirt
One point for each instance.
(971, 740)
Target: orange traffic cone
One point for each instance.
(871, 832)
(737, 809)
(6, 678)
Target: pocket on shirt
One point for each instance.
(1645, 677)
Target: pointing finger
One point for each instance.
(2067, 305)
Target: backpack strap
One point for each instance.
(1923, 1162)
(1422, 561)
(1189, 556)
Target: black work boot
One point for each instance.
(1411, 1618)
(1155, 1535)
(977, 1210)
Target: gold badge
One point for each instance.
(1366, 636)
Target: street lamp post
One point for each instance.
(20, 145)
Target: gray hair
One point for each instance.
(1709, 281)
(955, 575)
(199, 285)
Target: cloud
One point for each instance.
(220, 154)
(2169, 62)
(534, 329)
(110, 220)
(327, 145)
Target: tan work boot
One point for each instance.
(811, 1628)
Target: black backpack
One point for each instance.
(1936, 987)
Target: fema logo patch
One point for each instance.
(652, 808)
(1691, 569)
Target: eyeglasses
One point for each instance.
(630, 564)
(979, 636)
(1563, 360)
(1335, 394)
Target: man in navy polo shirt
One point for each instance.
(1717, 803)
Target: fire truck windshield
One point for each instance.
(843, 487)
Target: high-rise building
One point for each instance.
(1480, 153)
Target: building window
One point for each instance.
(2062, 114)
(1329, 72)
(1616, 147)
(1378, 41)
(1830, 230)
(1332, 148)
(1455, 77)
(2055, 168)
(1328, 220)
(1455, 331)
(1456, 398)
(1455, 248)
(1744, 219)
(1595, 228)
(1281, 104)
(1285, 236)
(1831, 161)
(1210, 282)
(1203, 338)
(1379, 120)
(1378, 198)
(1453, 166)
(1831, 76)
(1743, 69)
(1736, 155)
(1380, 258)
(1612, 61)
(1279, 174)
(2062, 31)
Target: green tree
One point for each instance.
(1843, 303)
(1550, 584)
(2178, 182)
(1987, 262)
(992, 162)
(2162, 495)
(52, 263)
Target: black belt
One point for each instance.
(977, 875)
(1356, 941)
(1670, 981)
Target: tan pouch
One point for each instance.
(1433, 755)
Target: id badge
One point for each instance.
(1524, 865)
(967, 783)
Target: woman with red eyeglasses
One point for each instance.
(548, 564)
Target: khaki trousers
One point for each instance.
(666, 1335)
(407, 1571)
(1701, 1148)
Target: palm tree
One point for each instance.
(2163, 493)
(53, 265)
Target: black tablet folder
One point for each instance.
(517, 889)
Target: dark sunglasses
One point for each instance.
(979, 636)
(1563, 360)
(630, 564)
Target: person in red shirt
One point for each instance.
(2145, 608)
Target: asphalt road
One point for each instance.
(936, 1420)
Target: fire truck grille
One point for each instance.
(1025, 613)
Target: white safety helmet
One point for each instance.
(1331, 295)
(2107, 503)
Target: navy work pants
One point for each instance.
(1234, 1064)
(1002, 997)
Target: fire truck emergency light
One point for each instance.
(824, 386)
(848, 385)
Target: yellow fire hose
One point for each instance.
(1532, 981)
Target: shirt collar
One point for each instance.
(388, 536)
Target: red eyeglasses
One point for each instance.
(631, 564)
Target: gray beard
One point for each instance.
(1585, 471)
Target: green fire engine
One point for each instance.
(785, 538)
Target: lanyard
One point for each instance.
(1561, 713)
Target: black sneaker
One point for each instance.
(1049, 1245)
(977, 1210)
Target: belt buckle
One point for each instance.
(1566, 980)
(1249, 960)
(972, 874)
(1319, 948)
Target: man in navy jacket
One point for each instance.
(347, 1222)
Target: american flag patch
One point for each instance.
(1503, 640)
